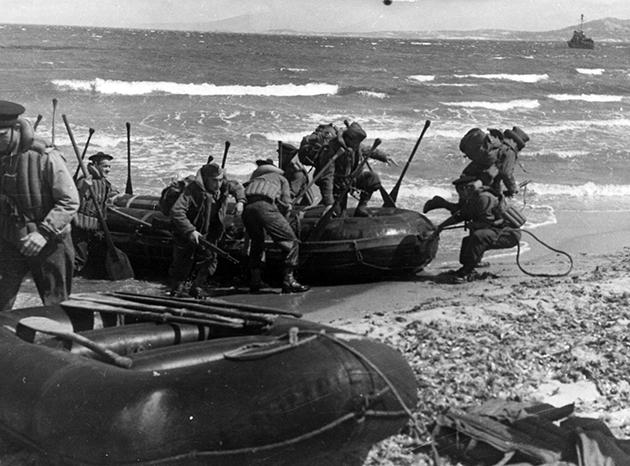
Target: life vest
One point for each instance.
(21, 201)
(87, 217)
(265, 183)
(315, 144)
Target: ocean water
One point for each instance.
(186, 93)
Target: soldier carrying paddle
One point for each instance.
(37, 202)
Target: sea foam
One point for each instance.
(108, 86)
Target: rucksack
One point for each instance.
(170, 194)
(315, 143)
(481, 147)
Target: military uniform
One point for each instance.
(86, 227)
(481, 211)
(38, 200)
(199, 210)
(267, 191)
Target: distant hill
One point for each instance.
(601, 30)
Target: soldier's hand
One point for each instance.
(391, 161)
(32, 244)
(194, 236)
(239, 208)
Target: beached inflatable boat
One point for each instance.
(131, 379)
(390, 242)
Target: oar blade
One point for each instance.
(117, 265)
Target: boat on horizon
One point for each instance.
(579, 39)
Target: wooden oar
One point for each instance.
(319, 174)
(152, 313)
(57, 329)
(128, 187)
(207, 304)
(225, 153)
(318, 229)
(39, 119)
(85, 148)
(54, 112)
(129, 217)
(158, 304)
(117, 263)
(394, 192)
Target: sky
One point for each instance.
(319, 15)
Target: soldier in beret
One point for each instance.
(36, 208)
(87, 235)
(199, 212)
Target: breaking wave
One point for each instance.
(586, 97)
(523, 78)
(110, 87)
(500, 106)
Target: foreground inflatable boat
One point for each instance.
(124, 379)
(390, 242)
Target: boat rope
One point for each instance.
(532, 274)
(375, 368)
(249, 352)
(518, 255)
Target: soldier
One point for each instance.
(367, 181)
(86, 228)
(37, 202)
(295, 173)
(493, 161)
(481, 211)
(198, 214)
(268, 197)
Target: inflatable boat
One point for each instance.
(391, 241)
(122, 379)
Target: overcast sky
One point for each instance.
(320, 15)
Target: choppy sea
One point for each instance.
(186, 93)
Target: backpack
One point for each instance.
(170, 194)
(481, 147)
(315, 143)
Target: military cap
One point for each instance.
(9, 113)
(354, 134)
(260, 162)
(212, 170)
(99, 157)
(519, 136)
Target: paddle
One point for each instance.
(128, 188)
(319, 174)
(87, 143)
(39, 119)
(57, 329)
(117, 263)
(54, 112)
(317, 230)
(129, 217)
(225, 152)
(394, 192)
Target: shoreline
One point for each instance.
(509, 336)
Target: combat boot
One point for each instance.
(178, 289)
(438, 202)
(255, 281)
(290, 284)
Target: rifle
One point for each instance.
(214, 248)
